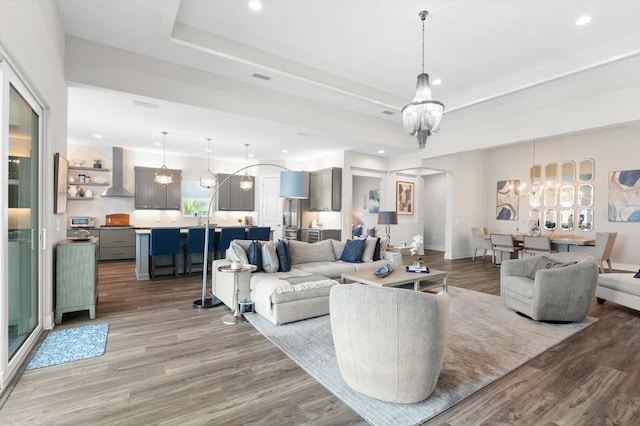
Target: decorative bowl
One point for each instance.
(384, 271)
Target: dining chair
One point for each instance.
(195, 246)
(164, 242)
(227, 235)
(536, 245)
(601, 251)
(260, 233)
(480, 241)
(503, 243)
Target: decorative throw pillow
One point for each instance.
(255, 255)
(543, 262)
(353, 249)
(320, 251)
(371, 232)
(377, 254)
(238, 253)
(369, 249)
(270, 262)
(383, 245)
(284, 255)
(357, 231)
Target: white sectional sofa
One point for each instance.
(302, 292)
(621, 288)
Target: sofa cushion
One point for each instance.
(353, 250)
(327, 269)
(270, 262)
(305, 290)
(543, 262)
(302, 252)
(304, 279)
(370, 249)
(625, 283)
(338, 247)
(284, 255)
(255, 255)
(237, 252)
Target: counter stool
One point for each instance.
(195, 245)
(164, 241)
(260, 233)
(227, 235)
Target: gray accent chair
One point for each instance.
(389, 342)
(537, 245)
(556, 294)
(601, 251)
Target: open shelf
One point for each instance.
(79, 198)
(89, 169)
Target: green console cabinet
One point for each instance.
(76, 277)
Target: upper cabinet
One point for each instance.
(325, 190)
(231, 197)
(152, 195)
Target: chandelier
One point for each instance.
(163, 176)
(245, 182)
(208, 179)
(423, 116)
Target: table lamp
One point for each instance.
(388, 218)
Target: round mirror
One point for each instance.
(550, 219)
(585, 195)
(551, 174)
(585, 220)
(586, 170)
(568, 171)
(567, 194)
(566, 219)
(551, 197)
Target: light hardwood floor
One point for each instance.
(167, 363)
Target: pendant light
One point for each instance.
(163, 175)
(423, 116)
(245, 182)
(208, 179)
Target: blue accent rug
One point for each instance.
(70, 344)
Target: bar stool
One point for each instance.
(195, 245)
(164, 241)
(260, 233)
(227, 235)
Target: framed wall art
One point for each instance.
(624, 196)
(507, 200)
(374, 201)
(404, 197)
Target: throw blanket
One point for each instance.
(275, 291)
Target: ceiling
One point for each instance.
(359, 58)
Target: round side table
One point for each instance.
(235, 317)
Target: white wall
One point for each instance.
(434, 197)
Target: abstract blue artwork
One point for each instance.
(507, 200)
(624, 196)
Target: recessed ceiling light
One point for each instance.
(251, 155)
(381, 151)
(284, 151)
(583, 20)
(97, 136)
(157, 143)
(207, 150)
(436, 81)
(255, 5)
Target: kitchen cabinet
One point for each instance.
(232, 198)
(152, 195)
(76, 277)
(325, 190)
(312, 235)
(117, 244)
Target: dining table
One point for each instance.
(560, 242)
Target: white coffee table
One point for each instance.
(399, 277)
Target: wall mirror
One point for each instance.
(535, 174)
(585, 195)
(534, 222)
(586, 170)
(566, 219)
(550, 219)
(534, 199)
(568, 171)
(585, 220)
(551, 197)
(567, 195)
(551, 173)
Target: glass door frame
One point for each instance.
(10, 77)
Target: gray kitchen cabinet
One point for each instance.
(117, 244)
(312, 235)
(325, 190)
(76, 277)
(151, 195)
(232, 198)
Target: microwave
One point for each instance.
(81, 222)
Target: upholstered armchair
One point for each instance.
(551, 287)
(389, 342)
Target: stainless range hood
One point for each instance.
(117, 188)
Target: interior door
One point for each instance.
(271, 205)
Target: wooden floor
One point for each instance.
(167, 363)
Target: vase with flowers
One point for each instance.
(416, 247)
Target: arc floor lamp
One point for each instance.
(292, 185)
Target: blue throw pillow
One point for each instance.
(255, 255)
(284, 255)
(357, 231)
(353, 250)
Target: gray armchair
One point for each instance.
(563, 292)
(389, 342)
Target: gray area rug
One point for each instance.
(485, 343)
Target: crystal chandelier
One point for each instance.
(163, 176)
(245, 182)
(208, 179)
(423, 116)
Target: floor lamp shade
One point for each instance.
(294, 184)
(387, 218)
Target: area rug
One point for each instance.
(70, 344)
(485, 343)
